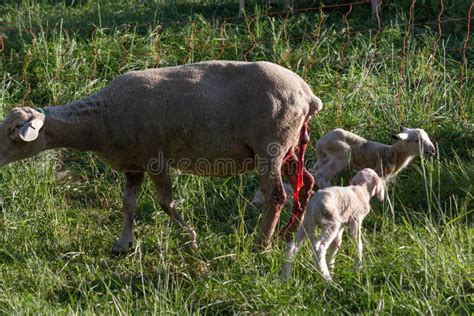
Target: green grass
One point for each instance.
(61, 210)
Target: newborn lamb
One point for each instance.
(329, 209)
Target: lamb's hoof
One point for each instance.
(357, 267)
(327, 278)
(284, 276)
(119, 249)
(192, 245)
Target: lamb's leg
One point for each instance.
(275, 199)
(334, 247)
(165, 200)
(355, 230)
(307, 229)
(133, 181)
(320, 246)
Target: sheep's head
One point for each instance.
(415, 141)
(372, 181)
(20, 135)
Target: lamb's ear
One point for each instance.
(378, 189)
(29, 130)
(403, 129)
(401, 136)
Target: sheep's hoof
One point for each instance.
(286, 234)
(119, 249)
(261, 248)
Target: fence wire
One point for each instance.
(254, 41)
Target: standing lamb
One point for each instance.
(339, 149)
(329, 209)
(192, 117)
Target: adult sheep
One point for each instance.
(189, 117)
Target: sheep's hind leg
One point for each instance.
(133, 183)
(275, 199)
(320, 246)
(165, 200)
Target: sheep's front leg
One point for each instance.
(133, 182)
(165, 200)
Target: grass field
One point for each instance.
(61, 211)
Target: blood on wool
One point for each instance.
(295, 158)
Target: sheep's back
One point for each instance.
(211, 110)
(333, 204)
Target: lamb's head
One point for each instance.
(20, 135)
(369, 178)
(415, 142)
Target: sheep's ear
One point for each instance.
(378, 189)
(29, 131)
(401, 136)
(403, 129)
